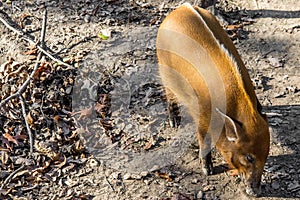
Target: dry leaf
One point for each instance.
(234, 27)
(103, 104)
(99, 107)
(6, 142)
(43, 71)
(150, 143)
(163, 175)
(83, 113)
(78, 146)
(20, 137)
(30, 52)
(56, 118)
(29, 119)
(22, 19)
(10, 138)
(46, 164)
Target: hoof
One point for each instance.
(207, 168)
(173, 112)
(252, 192)
(206, 164)
(207, 171)
(173, 122)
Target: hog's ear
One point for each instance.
(233, 130)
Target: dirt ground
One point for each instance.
(124, 148)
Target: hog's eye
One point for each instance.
(249, 158)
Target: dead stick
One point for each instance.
(23, 87)
(110, 185)
(44, 25)
(29, 188)
(28, 38)
(11, 176)
(43, 32)
(8, 24)
(26, 122)
(25, 84)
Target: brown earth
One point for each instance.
(133, 154)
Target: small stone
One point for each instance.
(144, 173)
(273, 168)
(178, 178)
(127, 176)
(275, 62)
(115, 175)
(70, 192)
(154, 168)
(208, 188)
(147, 182)
(87, 18)
(200, 195)
(69, 90)
(275, 176)
(4, 174)
(136, 176)
(275, 185)
(194, 181)
(146, 5)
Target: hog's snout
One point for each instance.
(253, 189)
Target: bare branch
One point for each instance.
(4, 18)
(27, 125)
(25, 84)
(11, 176)
(43, 32)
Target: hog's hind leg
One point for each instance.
(173, 109)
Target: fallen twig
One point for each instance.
(11, 176)
(30, 188)
(4, 18)
(110, 185)
(39, 57)
(7, 21)
(25, 84)
(27, 125)
(43, 32)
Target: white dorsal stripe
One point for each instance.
(223, 48)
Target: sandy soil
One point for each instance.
(133, 153)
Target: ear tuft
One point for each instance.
(231, 139)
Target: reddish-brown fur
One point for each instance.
(244, 138)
